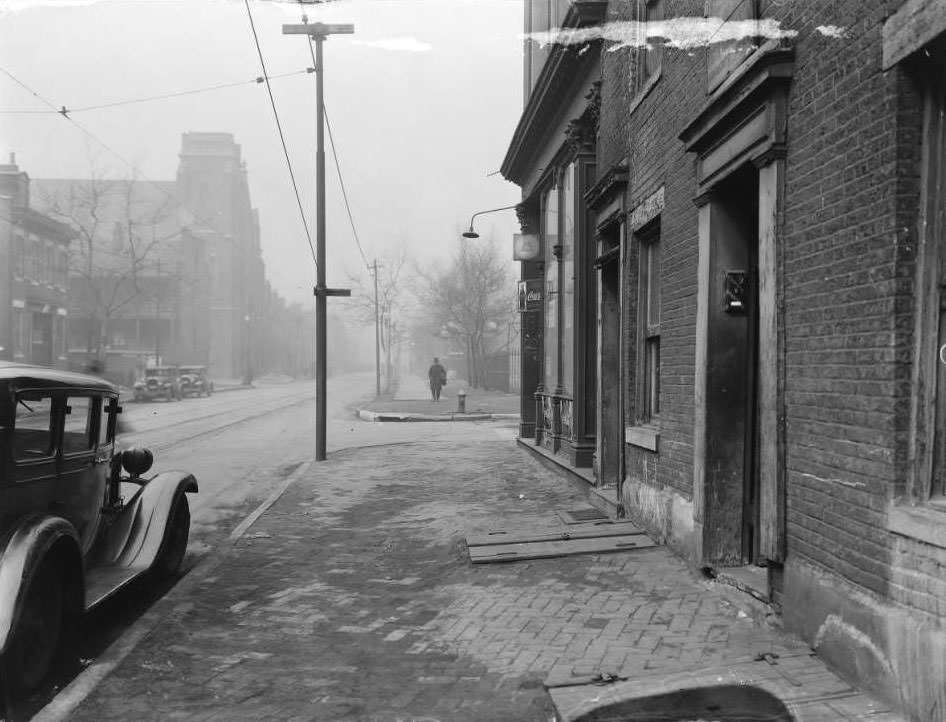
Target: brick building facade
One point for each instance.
(34, 250)
(552, 156)
(770, 224)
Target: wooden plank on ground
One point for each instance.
(558, 548)
(591, 530)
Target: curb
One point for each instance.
(366, 415)
(60, 707)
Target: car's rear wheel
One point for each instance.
(35, 641)
(174, 545)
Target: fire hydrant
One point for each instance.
(461, 401)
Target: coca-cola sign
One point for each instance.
(530, 295)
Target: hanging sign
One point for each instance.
(525, 246)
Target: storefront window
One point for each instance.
(569, 214)
(550, 231)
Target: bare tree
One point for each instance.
(471, 300)
(121, 225)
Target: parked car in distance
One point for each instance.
(159, 382)
(79, 519)
(194, 381)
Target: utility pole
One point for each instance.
(319, 32)
(387, 350)
(157, 316)
(377, 333)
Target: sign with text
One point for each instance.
(530, 295)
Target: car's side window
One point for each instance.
(81, 413)
(106, 429)
(33, 427)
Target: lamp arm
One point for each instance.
(491, 210)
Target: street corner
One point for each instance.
(381, 416)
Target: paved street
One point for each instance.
(352, 598)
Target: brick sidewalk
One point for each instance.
(352, 598)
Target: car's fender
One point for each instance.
(24, 549)
(152, 508)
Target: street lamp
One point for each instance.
(472, 233)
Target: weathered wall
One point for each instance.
(870, 598)
(658, 485)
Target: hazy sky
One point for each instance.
(423, 100)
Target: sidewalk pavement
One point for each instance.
(352, 598)
(411, 402)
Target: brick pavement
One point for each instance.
(352, 598)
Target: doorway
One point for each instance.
(41, 339)
(610, 426)
(732, 469)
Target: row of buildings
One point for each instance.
(733, 325)
(132, 273)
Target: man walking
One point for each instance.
(437, 375)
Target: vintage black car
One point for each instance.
(78, 521)
(194, 381)
(159, 382)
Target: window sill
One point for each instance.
(923, 523)
(644, 91)
(645, 437)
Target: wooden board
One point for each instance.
(590, 530)
(558, 548)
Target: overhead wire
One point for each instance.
(118, 103)
(338, 169)
(135, 171)
(341, 182)
(196, 216)
(282, 137)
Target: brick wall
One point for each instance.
(656, 158)
(615, 95)
(840, 285)
(847, 276)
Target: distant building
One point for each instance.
(166, 272)
(171, 272)
(34, 252)
(212, 183)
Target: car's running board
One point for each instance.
(103, 582)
